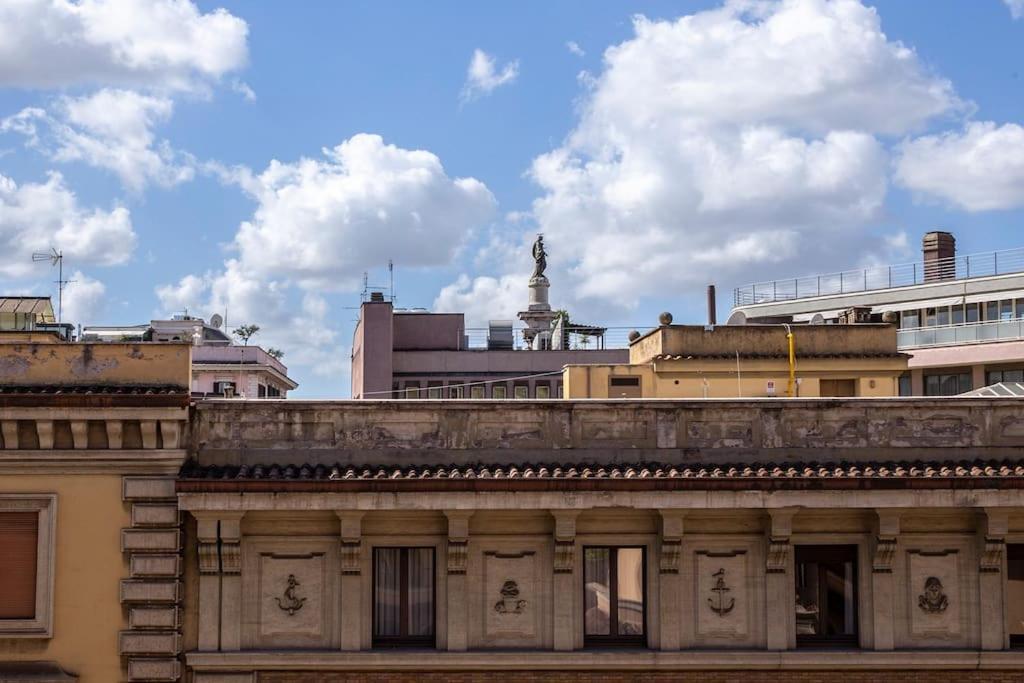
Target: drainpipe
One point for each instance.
(792, 362)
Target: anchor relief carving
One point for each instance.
(719, 604)
(291, 602)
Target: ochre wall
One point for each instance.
(88, 568)
(686, 379)
(143, 363)
(651, 677)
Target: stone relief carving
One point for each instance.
(718, 604)
(933, 600)
(510, 602)
(291, 602)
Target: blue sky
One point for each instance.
(672, 145)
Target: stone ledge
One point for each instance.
(606, 660)
(34, 672)
(129, 462)
(153, 669)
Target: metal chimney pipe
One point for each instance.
(712, 315)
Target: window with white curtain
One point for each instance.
(403, 596)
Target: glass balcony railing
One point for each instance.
(966, 333)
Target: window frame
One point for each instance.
(45, 504)
(1014, 554)
(825, 551)
(614, 639)
(406, 640)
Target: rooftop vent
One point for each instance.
(938, 250)
(499, 335)
(377, 297)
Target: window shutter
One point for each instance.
(19, 538)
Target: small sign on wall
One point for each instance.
(771, 387)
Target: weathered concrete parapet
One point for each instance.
(734, 431)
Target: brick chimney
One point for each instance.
(939, 252)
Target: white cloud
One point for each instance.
(35, 217)
(978, 169)
(165, 44)
(109, 129)
(1016, 8)
(318, 224)
(574, 47)
(323, 221)
(729, 145)
(484, 298)
(483, 75)
(84, 299)
(243, 89)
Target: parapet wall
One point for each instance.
(735, 431)
(105, 364)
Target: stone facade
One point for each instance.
(291, 502)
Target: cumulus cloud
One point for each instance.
(574, 47)
(730, 144)
(980, 168)
(167, 44)
(35, 217)
(484, 298)
(84, 299)
(483, 75)
(110, 129)
(317, 225)
(1016, 8)
(323, 221)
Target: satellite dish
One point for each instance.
(216, 320)
(817, 319)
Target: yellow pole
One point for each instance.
(792, 362)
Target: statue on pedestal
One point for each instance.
(540, 258)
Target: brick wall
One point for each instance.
(651, 677)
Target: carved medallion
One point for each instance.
(510, 602)
(933, 600)
(291, 603)
(721, 604)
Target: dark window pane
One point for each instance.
(387, 591)
(905, 384)
(973, 315)
(958, 315)
(597, 591)
(403, 596)
(826, 593)
(992, 310)
(1015, 593)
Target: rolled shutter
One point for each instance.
(19, 541)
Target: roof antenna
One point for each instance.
(56, 258)
(391, 275)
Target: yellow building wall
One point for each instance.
(88, 568)
(104, 363)
(714, 380)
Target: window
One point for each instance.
(261, 391)
(997, 376)
(412, 389)
(826, 594)
(942, 315)
(434, 391)
(1006, 309)
(905, 385)
(26, 565)
(476, 392)
(929, 317)
(991, 310)
(403, 596)
(613, 598)
(457, 392)
(837, 387)
(910, 319)
(499, 391)
(947, 384)
(1015, 593)
(958, 315)
(1018, 310)
(521, 391)
(973, 313)
(543, 391)
(624, 387)
(225, 388)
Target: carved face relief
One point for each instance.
(510, 602)
(933, 600)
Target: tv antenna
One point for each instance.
(56, 258)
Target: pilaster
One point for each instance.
(457, 560)
(883, 589)
(992, 579)
(669, 580)
(779, 586)
(351, 580)
(565, 580)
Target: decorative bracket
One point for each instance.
(885, 554)
(992, 555)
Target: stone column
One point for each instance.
(992, 580)
(669, 583)
(209, 583)
(779, 586)
(351, 580)
(231, 581)
(883, 588)
(563, 594)
(458, 556)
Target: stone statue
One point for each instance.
(540, 258)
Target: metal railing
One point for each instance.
(613, 338)
(962, 333)
(882, 277)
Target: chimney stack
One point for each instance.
(938, 250)
(712, 314)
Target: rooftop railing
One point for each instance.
(962, 333)
(882, 277)
(613, 338)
